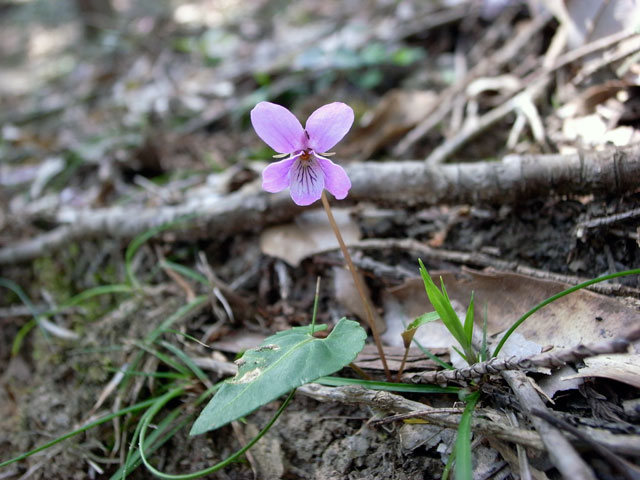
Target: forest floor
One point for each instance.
(133, 222)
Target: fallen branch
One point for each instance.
(546, 360)
(512, 180)
(389, 402)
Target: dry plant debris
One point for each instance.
(498, 141)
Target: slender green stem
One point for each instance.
(315, 306)
(161, 402)
(556, 297)
(358, 283)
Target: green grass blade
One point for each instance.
(173, 318)
(484, 351)
(555, 297)
(143, 238)
(88, 426)
(450, 462)
(21, 335)
(27, 327)
(459, 352)
(468, 322)
(442, 305)
(17, 289)
(163, 358)
(464, 469)
(164, 326)
(184, 358)
(433, 357)
(90, 293)
(130, 464)
(186, 271)
(185, 335)
(31, 324)
(137, 373)
(387, 386)
(152, 443)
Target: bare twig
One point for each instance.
(606, 221)
(627, 49)
(446, 99)
(561, 453)
(528, 97)
(513, 179)
(395, 403)
(628, 470)
(547, 360)
(478, 260)
(536, 85)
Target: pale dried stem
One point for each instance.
(358, 284)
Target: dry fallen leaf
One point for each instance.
(347, 295)
(308, 234)
(396, 113)
(580, 317)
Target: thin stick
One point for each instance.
(358, 283)
(628, 470)
(562, 454)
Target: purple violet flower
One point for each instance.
(306, 171)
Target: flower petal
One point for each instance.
(327, 125)
(307, 182)
(276, 176)
(336, 179)
(277, 127)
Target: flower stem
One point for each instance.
(358, 283)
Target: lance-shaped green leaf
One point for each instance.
(282, 362)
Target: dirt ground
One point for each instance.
(117, 117)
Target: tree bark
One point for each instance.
(408, 183)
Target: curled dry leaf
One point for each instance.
(623, 367)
